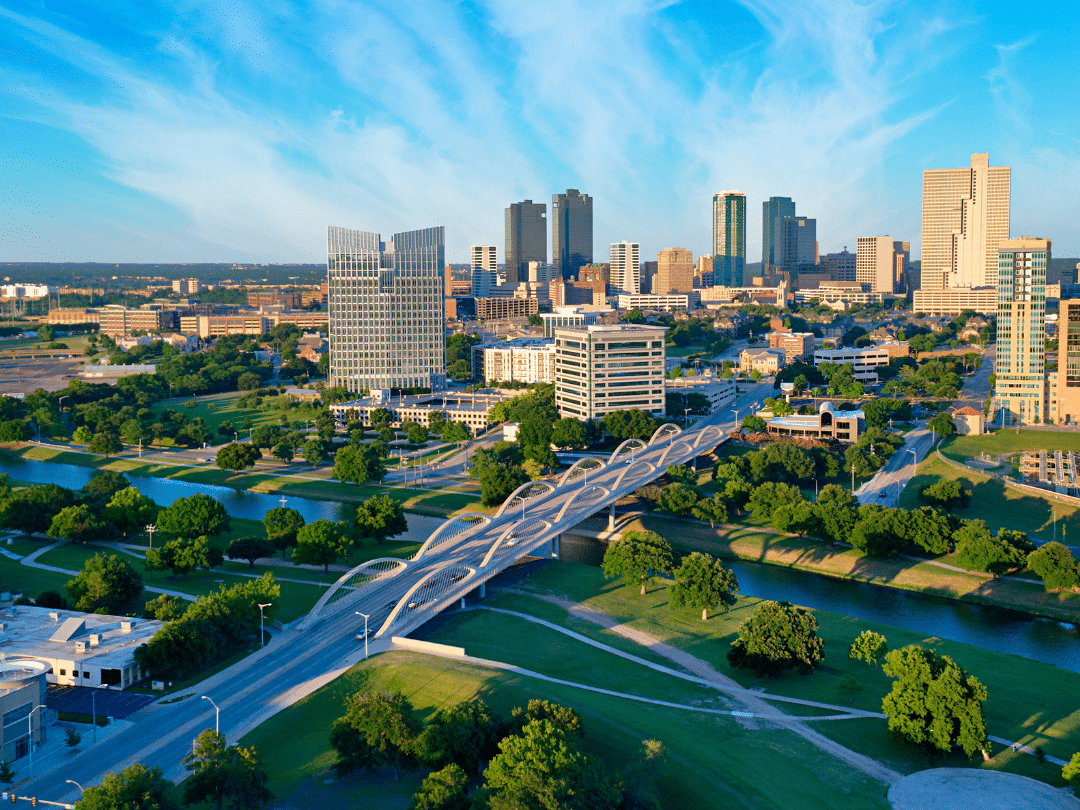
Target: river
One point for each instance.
(992, 628)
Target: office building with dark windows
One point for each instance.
(571, 231)
(729, 238)
(526, 239)
(386, 309)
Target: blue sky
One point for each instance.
(236, 131)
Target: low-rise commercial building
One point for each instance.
(525, 360)
(474, 410)
(840, 294)
(763, 361)
(1054, 469)
(865, 361)
(505, 308)
(796, 345)
(777, 295)
(668, 302)
(969, 421)
(567, 316)
(22, 694)
(720, 391)
(72, 317)
(209, 327)
(290, 299)
(827, 423)
(954, 300)
(119, 321)
(604, 368)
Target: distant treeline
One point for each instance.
(81, 273)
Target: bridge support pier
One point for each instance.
(483, 589)
(463, 603)
(611, 518)
(555, 547)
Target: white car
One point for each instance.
(511, 539)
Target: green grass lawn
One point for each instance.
(218, 408)
(712, 762)
(995, 503)
(1009, 441)
(1029, 702)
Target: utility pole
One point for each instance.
(150, 530)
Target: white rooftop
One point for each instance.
(38, 632)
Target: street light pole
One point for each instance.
(852, 479)
(366, 617)
(736, 412)
(150, 529)
(82, 790)
(30, 727)
(262, 634)
(217, 714)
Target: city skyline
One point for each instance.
(181, 135)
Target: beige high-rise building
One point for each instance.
(1019, 369)
(626, 267)
(674, 271)
(875, 263)
(1063, 385)
(901, 258)
(965, 216)
(703, 274)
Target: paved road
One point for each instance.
(977, 387)
(885, 487)
(298, 662)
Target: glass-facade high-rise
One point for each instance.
(526, 239)
(1019, 366)
(386, 309)
(729, 238)
(772, 209)
(571, 231)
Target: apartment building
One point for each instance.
(505, 308)
(674, 271)
(120, 321)
(1019, 367)
(796, 345)
(290, 299)
(604, 368)
(525, 360)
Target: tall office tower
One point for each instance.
(875, 263)
(794, 244)
(386, 310)
(902, 260)
(626, 268)
(526, 239)
(965, 216)
(1019, 393)
(729, 238)
(840, 265)
(674, 271)
(571, 231)
(485, 270)
(1063, 406)
(772, 209)
(703, 272)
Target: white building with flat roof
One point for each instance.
(865, 361)
(719, 391)
(604, 368)
(525, 360)
(567, 316)
(669, 301)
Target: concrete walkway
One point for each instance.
(30, 560)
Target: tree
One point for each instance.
(415, 433)
(946, 494)
(933, 702)
(767, 497)
(702, 582)
(105, 444)
(77, 524)
(801, 518)
(497, 482)
(165, 608)
(105, 583)
(837, 511)
(32, 510)
(681, 474)
(868, 646)
(281, 527)
(72, 738)
(134, 788)
(778, 636)
(639, 557)
(100, 489)
(321, 543)
(943, 424)
(455, 432)
(880, 532)
(930, 530)
(266, 436)
(464, 735)
(51, 599)
(712, 509)
(378, 730)
(1054, 563)
(446, 789)
(134, 431)
(7, 773)
(314, 452)
(235, 456)
(358, 464)
(250, 549)
(380, 517)
(541, 768)
(182, 555)
(220, 773)
(649, 495)
(753, 424)
(978, 550)
(82, 434)
(569, 432)
(283, 452)
(130, 511)
(563, 717)
(194, 516)
(1071, 772)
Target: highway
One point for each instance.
(299, 661)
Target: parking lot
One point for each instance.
(106, 702)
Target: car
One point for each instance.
(362, 633)
(882, 494)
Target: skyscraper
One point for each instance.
(674, 271)
(485, 270)
(1019, 392)
(772, 209)
(571, 231)
(626, 267)
(386, 309)
(729, 238)
(794, 244)
(526, 239)
(965, 216)
(875, 263)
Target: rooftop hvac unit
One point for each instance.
(125, 627)
(80, 646)
(95, 639)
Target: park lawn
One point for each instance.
(1009, 441)
(994, 502)
(1029, 702)
(218, 408)
(712, 762)
(750, 543)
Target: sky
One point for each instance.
(221, 131)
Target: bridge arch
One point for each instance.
(523, 531)
(592, 489)
(431, 589)
(339, 595)
(684, 444)
(451, 530)
(629, 446)
(635, 466)
(705, 432)
(530, 489)
(581, 467)
(664, 431)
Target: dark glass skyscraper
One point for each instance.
(729, 238)
(386, 309)
(571, 231)
(772, 209)
(526, 239)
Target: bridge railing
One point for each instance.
(351, 586)
(523, 532)
(581, 467)
(427, 596)
(628, 447)
(665, 431)
(453, 529)
(524, 493)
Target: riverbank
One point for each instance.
(804, 554)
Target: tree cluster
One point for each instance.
(778, 636)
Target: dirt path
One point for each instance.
(755, 705)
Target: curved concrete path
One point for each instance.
(972, 789)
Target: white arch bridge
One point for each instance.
(467, 550)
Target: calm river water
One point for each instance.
(991, 628)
